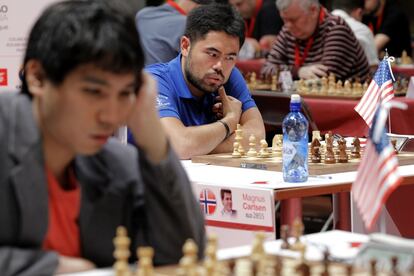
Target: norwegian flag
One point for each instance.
(381, 89)
(377, 175)
(208, 202)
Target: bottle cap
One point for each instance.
(295, 98)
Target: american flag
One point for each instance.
(377, 175)
(380, 89)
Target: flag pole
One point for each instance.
(383, 222)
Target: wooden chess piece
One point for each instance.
(273, 86)
(252, 146)
(258, 251)
(297, 232)
(236, 153)
(303, 268)
(324, 86)
(394, 266)
(373, 267)
(349, 270)
(243, 267)
(329, 155)
(331, 84)
(145, 266)
(343, 156)
(239, 139)
(284, 235)
(314, 87)
(339, 88)
(325, 262)
(253, 81)
(210, 260)
(263, 153)
(347, 88)
(188, 263)
(365, 87)
(121, 254)
(316, 134)
(356, 150)
(315, 153)
(394, 145)
(277, 144)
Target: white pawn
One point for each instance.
(252, 144)
(236, 153)
(263, 149)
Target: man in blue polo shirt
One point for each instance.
(202, 96)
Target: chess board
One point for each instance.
(275, 163)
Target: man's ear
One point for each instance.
(35, 77)
(185, 45)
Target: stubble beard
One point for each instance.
(196, 82)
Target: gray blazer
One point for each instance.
(119, 186)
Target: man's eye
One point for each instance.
(212, 54)
(92, 91)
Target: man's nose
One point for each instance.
(110, 113)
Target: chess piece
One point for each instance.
(316, 134)
(121, 253)
(365, 87)
(373, 267)
(347, 88)
(303, 268)
(405, 59)
(257, 247)
(314, 87)
(239, 139)
(325, 262)
(349, 270)
(355, 153)
(329, 155)
(210, 260)
(273, 86)
(284, 235)
(394, 266)
(145, 266)
(315, 153)
(263, 153)
(343, 156)
(339, 88)
(331, 84)
(188, 263)
(301, 86)
(277, 144)
(297, 232)
(252, 146)
(236, 153)
(324, 86)
(394, 145)
(253, 81)
(279, 266)
(243, 267)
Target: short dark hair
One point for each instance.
(214, 17)
(348, 5)
(76, 32)
(224, 191)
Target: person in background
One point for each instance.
(161, 28)
(351, 11)
(314, 43)
(390, 26)
(202, 96)
(262, 20)
(65, 184)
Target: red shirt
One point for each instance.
(64, 205)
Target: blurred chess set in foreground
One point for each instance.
(288, 256)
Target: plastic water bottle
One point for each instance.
(295, 143)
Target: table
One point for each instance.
(336, 115)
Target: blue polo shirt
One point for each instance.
(175, 99)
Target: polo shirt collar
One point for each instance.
(177, 73)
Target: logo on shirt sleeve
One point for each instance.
(162, 101)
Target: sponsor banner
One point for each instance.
(16, 20)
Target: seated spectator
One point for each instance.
(161, 28)
(390, 26)
(314, 43)
(262, 19)
(351, 11)
(202, 96)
